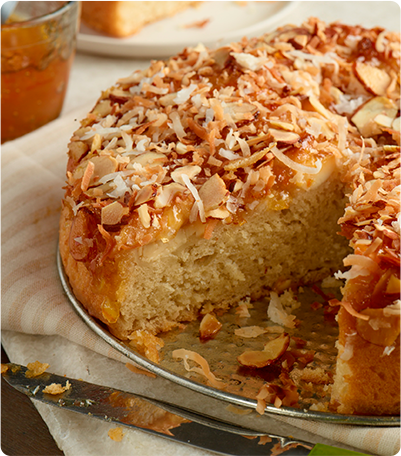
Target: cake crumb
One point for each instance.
(331, 282)
(250, 331)
(316, 376)
(35, 369)
(319, 407)
(243, 308)
(116, 434)
(280, 308)
(56, 388)
(147, 344)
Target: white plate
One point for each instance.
(227, 21)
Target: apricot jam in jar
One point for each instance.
(37, 49)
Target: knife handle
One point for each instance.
(326, 450)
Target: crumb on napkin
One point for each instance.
(116, 434)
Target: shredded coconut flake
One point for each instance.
(249, 61)
(177, 125)
(120, 189)
(277, 313)
(294, 165)
(250, 331)
(184, 94)
(195, 194)
(228, 154)
(204, 369)
(388, 350)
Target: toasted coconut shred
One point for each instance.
(204, 368)
(208, 134)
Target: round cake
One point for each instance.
(223, 174)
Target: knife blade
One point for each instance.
(156, 417)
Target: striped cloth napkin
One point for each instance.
(33, 174)
(33, 302)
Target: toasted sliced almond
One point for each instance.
(384, 121)
(100, 191)
(287, 137)
(396, 124)
(381, 41)
(94, 169)
(213, 192)
(213, 161)
(96, 142)
(276, 347)
(168, 100)
(103, 108)
(272, 351)
(147, 159)
(374, 79)
(145, 194)
(379, 329)
(219, 213)
(301, 40)
(166, 193)
(393, 285)
(181, 148)
(283, 125)
(209, 326)
(221, 56)
(104, 164)
(113, 213)
(77, 149)
(191, 171)
(144, 216)
(364, 119)
(241, 111)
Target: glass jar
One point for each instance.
(38, 44)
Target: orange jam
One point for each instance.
(36, 57)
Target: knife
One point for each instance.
(158, 418)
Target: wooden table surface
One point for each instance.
(23, 432)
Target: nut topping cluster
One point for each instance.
(208, 134)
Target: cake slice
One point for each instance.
(123, 19)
